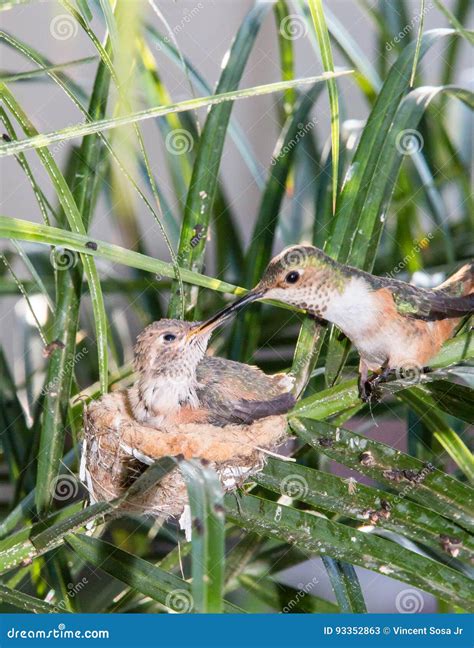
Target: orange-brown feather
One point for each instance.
(428, 335)
(461, 283)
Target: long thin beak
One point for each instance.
(225, 314)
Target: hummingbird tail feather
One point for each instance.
(459, 289)
(461, 283)
(248, 411)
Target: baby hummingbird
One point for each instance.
(392, 324)
(177, 383)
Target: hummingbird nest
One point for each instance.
(117, 449)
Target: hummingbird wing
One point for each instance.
(453, 298)
(237, 393)
(420, 303)
(248, 411)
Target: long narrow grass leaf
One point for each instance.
(207, 523)
(316, 534)
(319, 20)
(419, 36)
(416, 480)
(100, 125)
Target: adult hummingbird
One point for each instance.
(178, 383)
(392, 324)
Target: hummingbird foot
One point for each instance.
(368, 391)
(368, 387)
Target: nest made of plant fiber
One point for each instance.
(116, 450)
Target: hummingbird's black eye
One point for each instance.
(292, 277)
(169, 337)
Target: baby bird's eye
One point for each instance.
(292, 277)
(169, 337)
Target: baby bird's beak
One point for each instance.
(205, 328)
(220, 318)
